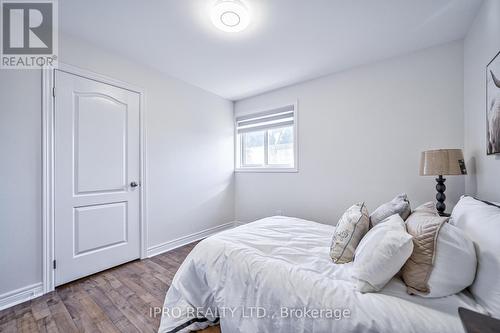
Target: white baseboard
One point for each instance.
(20, 295)
(238, 223)
(181, 241)
(27, 293)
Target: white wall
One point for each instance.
(360, 136)
(190, 156)
(21, 186)
(482, 43)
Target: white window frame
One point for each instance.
(238, 144)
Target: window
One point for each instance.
(267, 141)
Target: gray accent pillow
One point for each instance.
(399, 205)
(352, 226)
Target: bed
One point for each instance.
(275, 275)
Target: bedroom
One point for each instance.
(154, 132)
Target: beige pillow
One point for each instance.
(351, 227)
(424, 225)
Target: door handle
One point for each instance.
(133, 184)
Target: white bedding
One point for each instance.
(256, 275)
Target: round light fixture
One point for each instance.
(230, 15)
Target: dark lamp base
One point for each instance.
(440, 196)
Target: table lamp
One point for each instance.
(442, 162)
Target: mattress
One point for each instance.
(275, 275)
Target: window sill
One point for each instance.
(268, 170)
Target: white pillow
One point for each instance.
(481, 223)
(381, 254)
(454, 263)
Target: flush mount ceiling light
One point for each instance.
(230, 15)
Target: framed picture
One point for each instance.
(493, 106)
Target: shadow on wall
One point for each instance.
(213, 204)
(472, 175)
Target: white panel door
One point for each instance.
(97, 168)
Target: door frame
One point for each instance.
(48, 163)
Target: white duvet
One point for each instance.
(275, 275)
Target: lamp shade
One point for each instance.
(442, 162)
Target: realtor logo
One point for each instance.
(29, 38)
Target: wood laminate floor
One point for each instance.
(117, 300)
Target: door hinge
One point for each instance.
(54, 92)
(54, 264)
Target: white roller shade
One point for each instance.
(284, 116)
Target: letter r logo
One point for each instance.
(27, 27)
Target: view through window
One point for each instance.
(267, 140)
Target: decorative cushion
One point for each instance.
(423, 224)
(351, 227)
(454, 264)
(381, 254)
(399, 205)
(481, 223)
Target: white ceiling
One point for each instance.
(288, 41)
